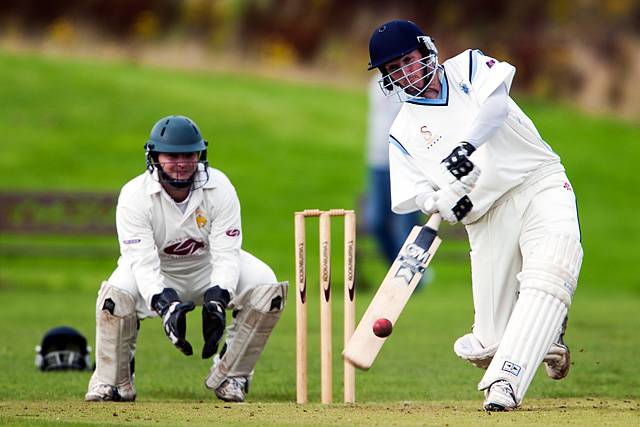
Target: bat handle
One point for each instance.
(434, 221)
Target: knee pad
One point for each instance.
(553, 267)
(258, 311)
(116, 334)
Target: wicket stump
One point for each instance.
(326, 386)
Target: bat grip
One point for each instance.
(434, 221)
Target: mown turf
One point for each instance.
(576, 412)
(80, 125)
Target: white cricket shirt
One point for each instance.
(427, 130)
(157, 239)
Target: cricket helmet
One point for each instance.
(176, 134)
(63, 348)
(394, 40)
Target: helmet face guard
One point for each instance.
(413, 79)
(177, 134)
(63, 349)
(196, 180)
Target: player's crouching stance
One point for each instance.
(180, 242)
(520, 212)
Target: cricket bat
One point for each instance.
(394, 292)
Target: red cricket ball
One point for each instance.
(382, 327)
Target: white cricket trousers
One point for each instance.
(542, 205)
(253, 272)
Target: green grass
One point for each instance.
(79, 125)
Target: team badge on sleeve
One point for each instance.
(232, 232)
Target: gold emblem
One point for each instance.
(200, 218)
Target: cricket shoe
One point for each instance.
(232, 389)
(558, 359)
(499, 397)
(109, 393)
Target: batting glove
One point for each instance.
(457, 167)
(452, 204)
(215, 303)
(174, 317)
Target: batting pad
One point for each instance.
(259, 310)
(116, 334)
(547, 283)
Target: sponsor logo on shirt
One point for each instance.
(232, 232)
(491, 63)
(567, 186)
(184, 248)
(429, 137)
(131, 241)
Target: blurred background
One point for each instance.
(278, 87)
(585, 51)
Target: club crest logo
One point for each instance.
(201, 220)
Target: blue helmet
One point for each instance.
(63, 348)
(394, 40)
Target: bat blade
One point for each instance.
(394, 292)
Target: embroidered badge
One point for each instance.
(428, 136)
(233, 232)
(200, 218)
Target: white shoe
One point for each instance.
(108, 393)
(500, 397)
(232, 389)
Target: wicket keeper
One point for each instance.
(180, 246)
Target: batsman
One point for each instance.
(180, 239)
(461, 147)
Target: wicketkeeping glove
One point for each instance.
(457, 167)
(215, 303)
(168, 305)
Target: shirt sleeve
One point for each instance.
(491, 116)
(225, 240)
(407, 181)
(486, 74)
(138, 248)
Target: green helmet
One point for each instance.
(175, 134)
